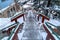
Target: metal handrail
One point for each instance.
(13, 32)
(9, 26)
(52, 29)
(19, 13)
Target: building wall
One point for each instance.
(5, 13)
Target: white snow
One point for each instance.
(20, 35)
(44, 34)
(54, 22)
(22, 1)
(4, 22)
(41, 2)
(29, 3)
(20, 20)
(26, 6)
(5, 38)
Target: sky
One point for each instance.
(5, 3)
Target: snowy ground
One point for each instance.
(55, 22)
(4, 22)
(5, 38)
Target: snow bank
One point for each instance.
(4, 22)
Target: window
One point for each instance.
(0, 13)
(3, 0)
(8, 14)
(13, 8)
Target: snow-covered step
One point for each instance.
(31, 30)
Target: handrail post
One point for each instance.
(23, 18)
(38, 17)
(43, 17)
(16, 20)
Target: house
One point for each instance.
(7, 8)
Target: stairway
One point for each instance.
(32, 31)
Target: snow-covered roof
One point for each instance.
(3, 9)
(4, 5)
